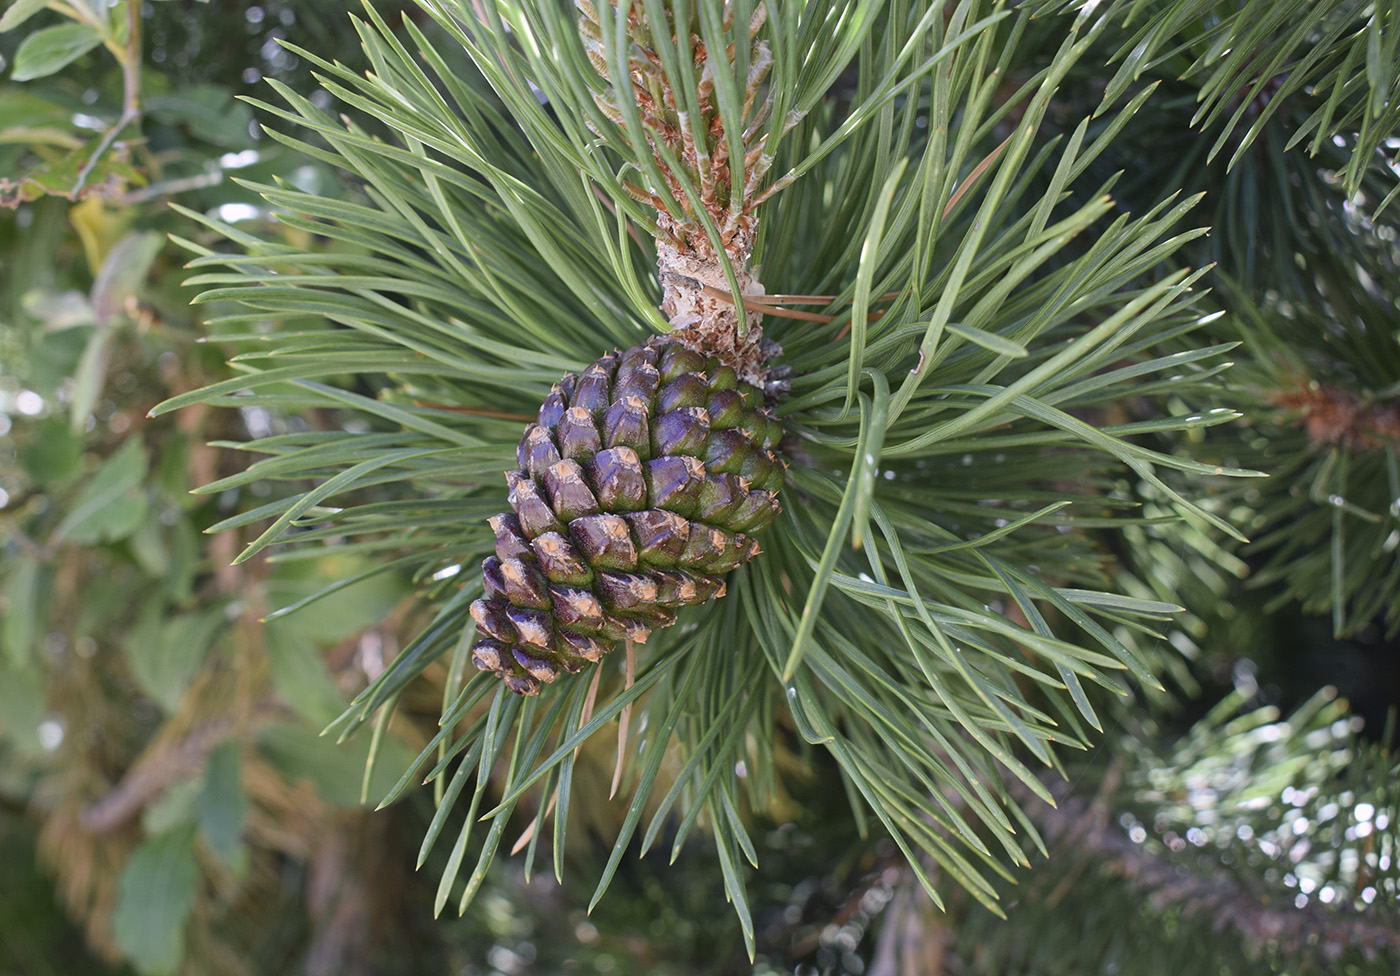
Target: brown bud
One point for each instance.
(777, 474)
(728, 559)
(488, 654)
(757, 466)
(642, 382)
(653, 615)
(675, 588)
(709, 587)
(748, 546)
(566, 385)
(539, 666)
(636, 491)
(524, 584)
(553, 407)
(581, 646)
(569, 663)
(521, 684)
(677, 360)
(756, 513)
(591, 393)
(625, 628)
(726, 409)
(720, 496)
(492, 579)
(636, 359)
(726, 451)
(704, 548)
(722, 377)
(772, 429)
(686, 390)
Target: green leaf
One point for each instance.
(209, 112)
(59, 176)
(300, 676)
(330, 617)
(123, 271)
(335, 770)
(52, 49)
(58, 310)
(22, 708)
(150, 549)
(54, 454)
(24, 609)
(155, 895)
(174, 808)
(869, 259)
(166, 652)
(19, 12)
(222, 806)
(22, 106)
(112, 503)
(90, 378)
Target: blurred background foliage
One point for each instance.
(159, 760)
(166, 804)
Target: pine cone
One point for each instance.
(639, 488)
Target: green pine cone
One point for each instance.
(638, 490)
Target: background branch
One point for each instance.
(1085, 828)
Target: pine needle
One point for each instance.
(624, 721)
(587, 712)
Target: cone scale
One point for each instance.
(641, 486)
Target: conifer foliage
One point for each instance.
(905, 270)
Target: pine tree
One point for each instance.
(1071, 327)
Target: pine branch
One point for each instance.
(1215, 896)
(1246, 843)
